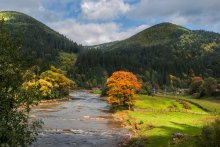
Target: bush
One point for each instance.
(139, 141)
(195, 86)
(184, 104)
(146, 89)
(104, 91)
(210, 85)
(51, 84)
(210, 136)
(142, 91)
(196, 95)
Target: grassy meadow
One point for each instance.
(156, 119)
(96, 92)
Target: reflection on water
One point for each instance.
(81, 121)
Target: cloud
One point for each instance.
(25, 5)
(177, 11)
(94, 33)
(34, 8)
(103, 9)
(28, 7)
(53, 13)
(176, 19)
(97, 21)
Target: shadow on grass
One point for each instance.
(116, 108)
(163, 136)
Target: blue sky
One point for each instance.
(90, 22)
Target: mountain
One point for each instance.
(101, 46)
(40, 44)
(154, 54)
(158, 34)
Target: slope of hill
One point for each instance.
(155, 53)
(158, 34)
(101, 46)
(40, 44)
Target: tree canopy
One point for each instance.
(15, 129)
(50, 84)
(122, 86)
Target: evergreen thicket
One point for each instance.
(40, 44)
(154, 54)
(176, 51)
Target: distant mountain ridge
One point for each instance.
(41, 44)
(155, 53)
(158, 34)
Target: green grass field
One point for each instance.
(96, 91)
(212, 105)
(155, 120)
(162, 103)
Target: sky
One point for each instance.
(91, 22)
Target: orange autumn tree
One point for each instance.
(122, 86)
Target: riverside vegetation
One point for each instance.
(164, 120)
(20, 88)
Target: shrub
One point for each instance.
(146, 89)
(141, 122)
(51, 84)
(195, 86)
(210, 85)
(184, 104)
(196, 95)
(210, 136)
(104, 91)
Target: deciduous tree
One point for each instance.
(15, 129)
(122, 86)
(196, 85)
(210, 85)
(51, 84)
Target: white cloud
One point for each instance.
(179, 20)
(94, 33)
(79, 19)
(19, 4)
(192, 12)
(89, 33)
(34, 8)
(103, 9)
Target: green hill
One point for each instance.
(155, 35)
(40, 44)
(154, 54)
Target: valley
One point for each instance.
(159, 87)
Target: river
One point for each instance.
(82, 121)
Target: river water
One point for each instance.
(82, 121)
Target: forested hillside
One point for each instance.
(154, 54)
(40, 44)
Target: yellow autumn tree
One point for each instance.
(122, 86)
(51, 84)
